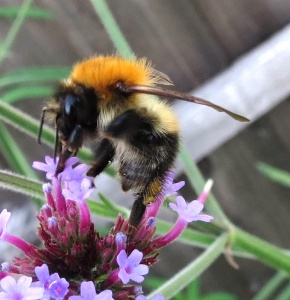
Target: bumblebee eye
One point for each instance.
(70, 102)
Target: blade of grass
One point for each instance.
(285, 294)
(11, 12)
(15, 158)
(26, 92)
(21, 184)
(271, 286)
(13, 154)
(192, 270)
(113, 207)
(8, 41)
(274, 174)
(34, 74)
(112, 28)
(262, 250)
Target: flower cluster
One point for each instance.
(76, 263)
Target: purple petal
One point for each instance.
(136, 278)
(122, 259)
(104, 295)
(122, 274)
(58, 288)
(195, 207)
(88, 290)
(8, 283)
(141, 269)
(204, 218)
(42, 273)
(135, 257)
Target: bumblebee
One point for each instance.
(115, 103)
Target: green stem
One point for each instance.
(272, 285)
(193, 270)
(197, 182)
(6, 45)
(285, 294)
(262, 250)
(112, 28)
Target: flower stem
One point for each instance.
(262, 250)
(27, 248)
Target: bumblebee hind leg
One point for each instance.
(147, 196)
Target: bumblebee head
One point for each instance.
(77, 114)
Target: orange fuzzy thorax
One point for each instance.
(102, 72)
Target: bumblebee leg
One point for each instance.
(146, 197)
(104, 153)
(126, 125)
(137, 212)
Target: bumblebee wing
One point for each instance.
(158, 91)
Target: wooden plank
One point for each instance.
(252, 86)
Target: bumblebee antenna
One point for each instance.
(158, 91)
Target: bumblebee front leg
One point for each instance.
(104, 153)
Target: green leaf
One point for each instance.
(274, 174)
(113, 207)
(284, 294)
(26, 92)
(271, 286)
(13, 154)
(218, 296)
(262, 250)
(153, 282)
(192, 291)
(112, 28)
(182, 278)
(102, 210)
(35, 74)
(21, 184)
(10, 37)
(34, 13)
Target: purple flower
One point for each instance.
(78, 191)
(50, 165)
(58, 287)
(19, 290)
(130, 267)
(155, 297)
(88, 292)
(53, 285)
(4, 217)
(170, 188)
(190, 211)
(187, 212)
